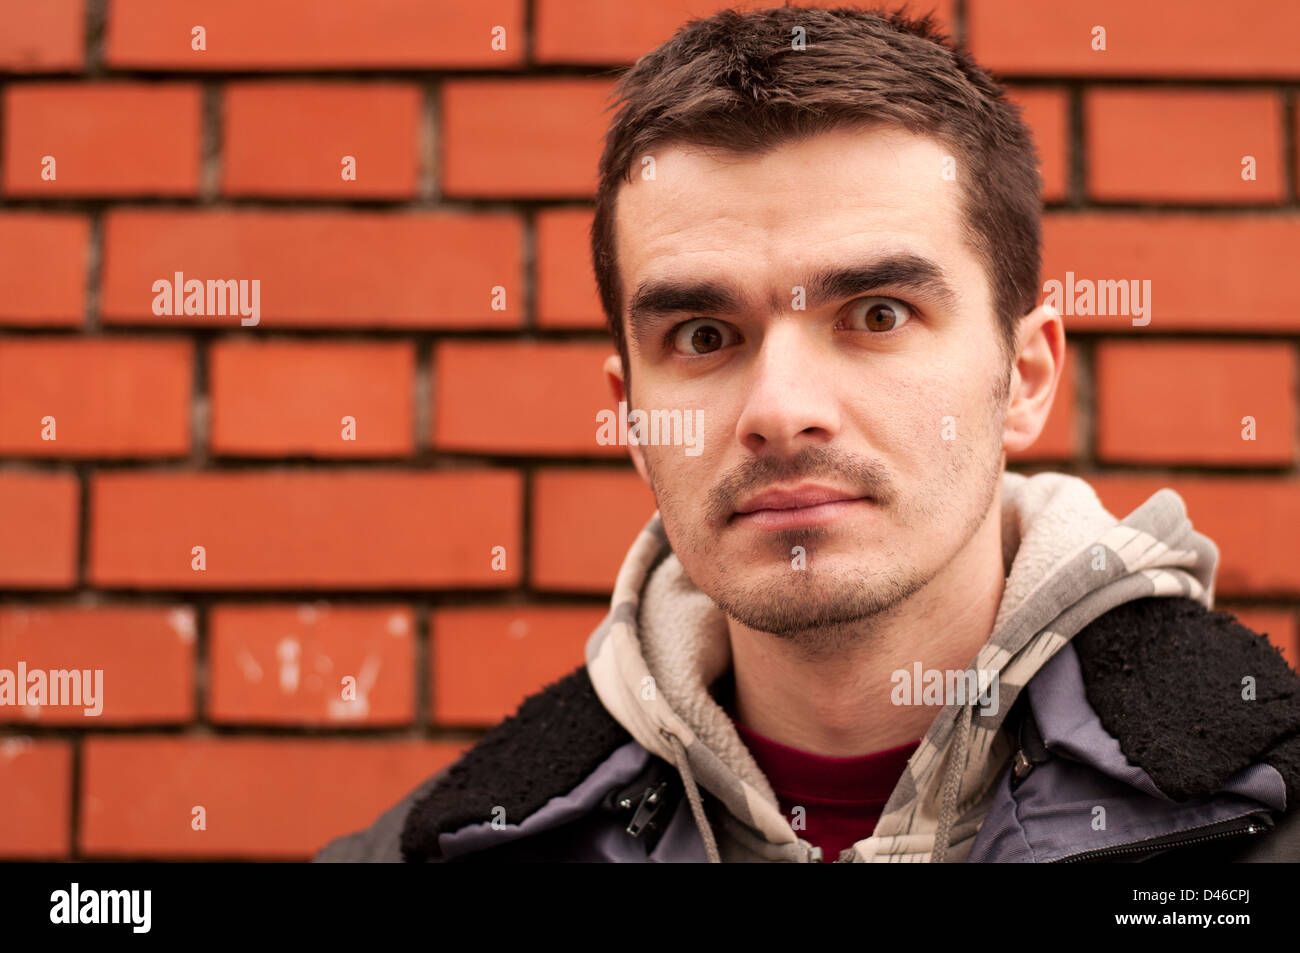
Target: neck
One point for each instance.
(841, 706)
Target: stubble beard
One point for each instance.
(825, 612)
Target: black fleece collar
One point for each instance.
(556, 738)
(1169, 678)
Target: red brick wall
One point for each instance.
(327, 558)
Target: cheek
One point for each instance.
(920, 426)
(901, 417)
(681, 465)
(707, 430)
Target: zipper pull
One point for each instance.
(1030, 750)
(1022, 765)
(648, 807)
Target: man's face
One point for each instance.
(852, 426)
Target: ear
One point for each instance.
(1040, 358)
(614, 374)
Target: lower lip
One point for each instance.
(818, 515)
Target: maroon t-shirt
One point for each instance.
(841, 797)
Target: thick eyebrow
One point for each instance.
(655, 299)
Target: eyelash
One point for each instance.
(671, 335)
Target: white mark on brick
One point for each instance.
(252, 671)
(182, 623)
(288, 652)
(11, 748)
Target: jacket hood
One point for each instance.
(1067, 561)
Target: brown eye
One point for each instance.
(701, 336)
(881, 314)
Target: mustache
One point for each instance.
(821, 464)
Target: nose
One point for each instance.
(790, 402)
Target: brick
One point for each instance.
(1240, 256)
(113, 138)
(1184, 402)
(108, 397)
(314, 34)
(286, 398)
(262, 798)
(43, 283)
(584, 522)
(599, 32)
(289, 139)
(43, 37)
(1060, 437)
(1046, 110)
(38, 529)
(361, 529)
(1161, 38)
(1251, 519)
(485, 661)
(320, 269)
(146, 655)
(521, 397)
(522, 138)
(283, 664)
(566, 282)
(1278, 624)
(35, 797)
(1149, 145)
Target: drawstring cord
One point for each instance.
(693, 795)
(951, 781)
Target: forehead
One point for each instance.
(837, 195)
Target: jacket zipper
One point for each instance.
(645, 811)
(1031, 752)
(1255, 823)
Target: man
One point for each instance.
(848, 634)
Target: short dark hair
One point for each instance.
(735, 81)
